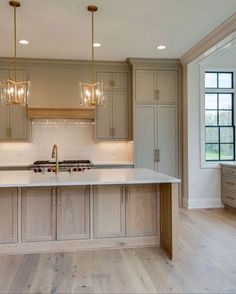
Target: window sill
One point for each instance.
(215, 165)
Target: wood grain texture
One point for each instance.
(61, 113)
(109, 211)
(169, 219)
(8, 215)
(73, 213)
(206, 264)
(141, 210)
(38, 214)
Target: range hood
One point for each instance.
(61, 113)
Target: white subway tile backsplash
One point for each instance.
(75, 140)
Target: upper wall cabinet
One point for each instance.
(14, 125)
(156, 86)
(112, 120)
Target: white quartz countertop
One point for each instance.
(89, 177)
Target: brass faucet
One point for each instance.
(55, 155)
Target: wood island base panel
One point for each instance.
(53, 218)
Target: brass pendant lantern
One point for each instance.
(92, 94)
(13, 92)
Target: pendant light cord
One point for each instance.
(15, 43)
(93, 64)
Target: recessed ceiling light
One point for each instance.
(97, 45)
(161, 47)
(24, 42)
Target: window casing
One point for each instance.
(219, 128)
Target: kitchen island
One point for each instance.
(105, 208)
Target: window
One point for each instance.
(219, 116)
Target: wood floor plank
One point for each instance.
(9, 265)
(22, 280)
(43, 274)
(141, 280)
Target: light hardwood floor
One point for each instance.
(207, 264)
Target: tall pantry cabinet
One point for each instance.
(156, 114)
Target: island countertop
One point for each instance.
(89, 177)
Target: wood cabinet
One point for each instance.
(14, 124)
(73, 213)
(8, 215)
(109, 211)
(121, 210)
(228, 185)
(38, 214)
(55, 213)
(112, 120)
(156, 86)
(157, 125)
(141, 210)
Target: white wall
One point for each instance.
(203, 183)
(74, 139)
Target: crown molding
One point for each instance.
(221, 32)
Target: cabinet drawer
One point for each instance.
(228, 183)
(229, 171)
(229, 198)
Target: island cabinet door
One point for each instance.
(73, 213)
(141, 210)
(109, 211)
(8, 215)
(38, 214)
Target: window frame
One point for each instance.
(215, 163)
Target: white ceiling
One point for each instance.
(61, 29)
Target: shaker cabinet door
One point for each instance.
(73, 213)
(38, 214)
(8, 215)
(145, 136)
(141, 210)
(104, 119)
(18, 122)
(120, 115)
(167, 86)
(145, 86)
(167, 130)
(109, 211)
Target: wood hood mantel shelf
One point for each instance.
(61, 113)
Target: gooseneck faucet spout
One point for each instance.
(55, 155)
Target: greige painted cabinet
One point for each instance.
(55, 213)
(112, 120)
(13, 119)
(73, 213)
(125, 210)
(8, 215)
(141, 210)
(38, 214)
(157, 125)
(109, 211)
(156, 86)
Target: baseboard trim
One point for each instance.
(202, 203)
(78, 245)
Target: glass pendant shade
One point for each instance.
(92, 94)
(14, 93)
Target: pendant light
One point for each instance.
(92, 94)
(12, 91)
